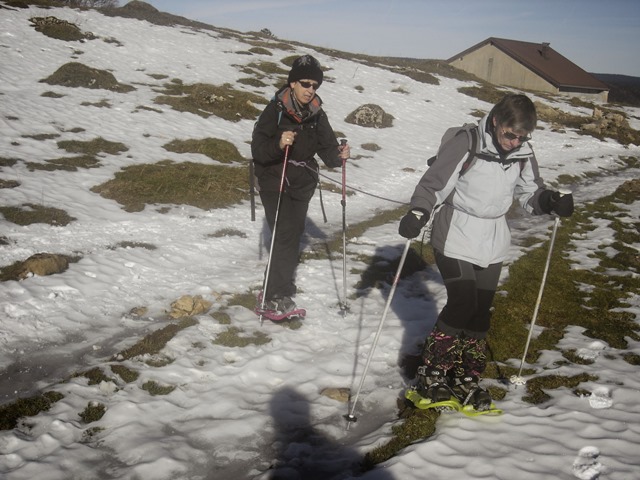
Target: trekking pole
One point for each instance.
(344, 306)
(350, 416)
(273, 233)
(252, 190)
(517, 379)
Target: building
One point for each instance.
(529, 66)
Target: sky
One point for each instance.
(599, 36)
(257, 412)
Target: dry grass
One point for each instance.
(166, 182)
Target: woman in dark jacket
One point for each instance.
(293, 122)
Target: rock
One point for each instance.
(370, 115)
(340, 394)
(188, 305)
(605, 123)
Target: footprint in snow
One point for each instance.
(600, 398)
(592, 351)
(586, 465)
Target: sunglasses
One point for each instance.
(513, 136)
(303, 84)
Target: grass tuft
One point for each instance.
(93, 412)
(11, 413)
(235, 337)
(75, 74)
(93, 147)
(155, 341)
(203, 186)
(95, 376)
(214, 148)
(154, 388)
(206, 100)
(228, 232)
(69, 164)
(418, 425)
(126, 374)
(30, 213)
(536, 386)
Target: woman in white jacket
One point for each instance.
(470, 193)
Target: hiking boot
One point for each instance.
(469, 392)
(442, 350)
(280, 305)
(474, 357)
(432, 384)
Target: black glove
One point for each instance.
(412, 223)
(561, 204)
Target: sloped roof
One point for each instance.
(544, 61)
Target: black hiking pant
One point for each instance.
(470, 292)
(286, 249)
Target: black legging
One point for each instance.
(286, 250)
(470, 292)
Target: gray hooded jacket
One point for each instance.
(470, 223)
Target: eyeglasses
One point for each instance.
(304, 84)
(513, 136)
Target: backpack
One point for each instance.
(252, 171)
(471, 132)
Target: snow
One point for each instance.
(236, 412)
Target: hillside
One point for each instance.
(625, 90)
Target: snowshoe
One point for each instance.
(470, 411)
(473, 399)
(432, 391)
(424, 403)
(276, 316)
(279, 309)
(433, 384)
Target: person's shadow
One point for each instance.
(413, 303)
(312, 234)
(303, 452)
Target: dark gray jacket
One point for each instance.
(314, 137)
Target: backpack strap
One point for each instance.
(471, 156)
(252, 171)
(471, 131)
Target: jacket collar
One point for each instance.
(293, 109)
(488, 146)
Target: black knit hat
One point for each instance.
(306, 67)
